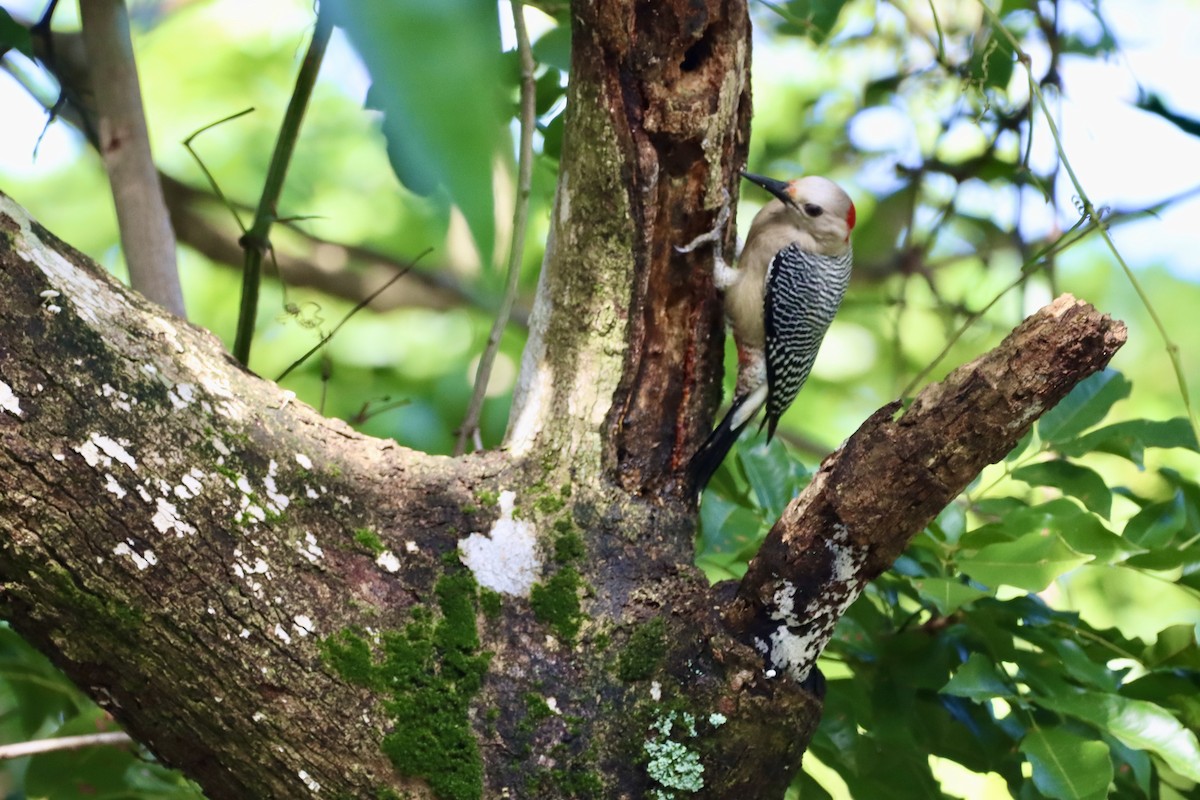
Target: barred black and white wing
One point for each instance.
(803, 293)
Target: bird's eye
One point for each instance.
(813, 210)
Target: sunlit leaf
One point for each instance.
(1029, 563)
(1067, 766)
(1136, 723)
(1175, 647)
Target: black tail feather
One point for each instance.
(703, 465)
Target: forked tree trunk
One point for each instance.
(283, 607)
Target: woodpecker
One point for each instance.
(790, 280)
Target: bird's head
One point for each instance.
(815, 205)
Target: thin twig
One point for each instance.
(483, 373)
(366, 301)
(212, 182)
(256, 240)
(19, 749)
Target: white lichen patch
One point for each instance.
(9, 401)
(100, 450)
(110, 484)
(220, 447)
(785, 598)
(303, 624)
(310, 549)
(794, 646)
(387, 559)
(309, 781)
(279, 501)
(166, 517)
(411, 548)
(120, 400)
(304, 461)
(190, 485)
(282, 634)
(506, 559)
(181, 395)
(144, 560)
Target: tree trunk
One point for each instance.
(279, 605)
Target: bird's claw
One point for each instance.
(714, 235)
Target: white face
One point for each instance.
(819, 206)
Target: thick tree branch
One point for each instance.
(124, 142)
(881, 488)
(340, 270)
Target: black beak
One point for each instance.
(777, 188)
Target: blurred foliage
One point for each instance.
(1039, 640)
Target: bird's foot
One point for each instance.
(716, 234)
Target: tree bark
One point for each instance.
(281, 606)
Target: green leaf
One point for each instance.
(727, 527)
(977, 679)
(1086, 405)
(1136, 724)
(947, 596)
(1067, 766)
(1083, 533)
(1073, 480)
(1029, 563)
(14, 35)
(1169, 558)
(1130, 439)
(815, 18)
(109, 771)
(554, 48)
(774, 476)
(437, 76)
(1157, 524)
(1174, 648)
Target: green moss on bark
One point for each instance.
(426, 676)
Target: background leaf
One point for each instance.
(441, 98)
(1067, 766)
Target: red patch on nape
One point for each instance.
(850, 217)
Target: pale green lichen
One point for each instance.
(672, 764)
